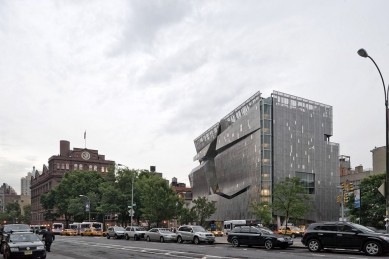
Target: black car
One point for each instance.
(24, 245)
(345, 235)
(5, 230)
(254, 236)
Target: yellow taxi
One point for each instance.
(68, 232)
(92, 232)
(291, 231)
(217, 233)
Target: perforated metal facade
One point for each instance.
(272, 138)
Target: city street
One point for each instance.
(100, 247)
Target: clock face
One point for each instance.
(85, 155)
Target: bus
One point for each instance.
(80, 227)
(57, 228)
(228, 225)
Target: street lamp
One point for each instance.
(88, 203)
(132, 197)
(363, 53)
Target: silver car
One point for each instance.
(115, 232)
(195, 234)
(160, 234)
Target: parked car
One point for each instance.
(345, 235)
(115, 232)
(135, 232)
(291, 231)
(255, 236)
(160, 234)
(68, 232)
(91, 232)
(195, 234)
(5, 230)
(24, 245)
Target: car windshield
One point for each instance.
(25, 237)
(119, 228)
(362, 228)
(140, 229)
(294, 228)
(164, 231)
(198, 229)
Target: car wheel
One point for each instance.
(127, 237)
(136, 237)
(372, 248)
(148, 239)
(108, 237)
(211, 242)
(162, 239)
(269, 244)
(115, 236)
(314, 245)
(293, 236)
(179, 239)
(196, 240)
(235, 242)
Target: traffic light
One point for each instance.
(350, 187)
(338, 198)
(345, 197)
(344, 186)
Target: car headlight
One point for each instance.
(40, 247)
(14, 249)
(280, 239)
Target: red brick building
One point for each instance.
(67, 160)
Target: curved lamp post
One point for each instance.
(88, 203)
(363, 53)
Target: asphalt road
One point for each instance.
(102, 248)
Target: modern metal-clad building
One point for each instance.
(260, 143)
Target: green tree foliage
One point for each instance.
(186, 216)
(26, 217)
(262, 211)
(13, 210)
(372, 209)
(159, 200)
(61, 199)
(290, 199)
(203, 209)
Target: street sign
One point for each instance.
(381, 189)
(131, 212)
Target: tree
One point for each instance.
(159, 200)
(262, 211)
(372, 208)
(203, 209)
(290, 199)
(186, 216)
(13, 210)
(60, 199)
(26, 217)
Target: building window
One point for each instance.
(307, 180)
(95, 168)
(106, 169)
(80, 166)
(90, 167)
(57, 165)
(63, 166)
(75, 166)
(102, 169)
(67, 166)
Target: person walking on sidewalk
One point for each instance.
(49, 237)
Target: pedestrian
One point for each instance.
(49, 237)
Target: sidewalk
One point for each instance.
(296, 242)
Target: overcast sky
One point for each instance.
(145, 78)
